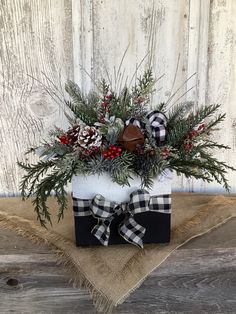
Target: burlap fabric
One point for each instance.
(112, 273)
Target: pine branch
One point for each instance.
(220, 118)
(44, 178)
(161, 107)
(178, 112)
(149, 167)
(120, 169)
(204, 167)
(85, 112)
(32, 176)
(211, 145)
(74, 92)
(144, 85)
(203, 113)
(83, 107)
(56, 132)
(103, 87)
(177, 134)
(53, 182)
(178, 131)
(121, 105)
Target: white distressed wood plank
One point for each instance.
(35, 36)
(83, 41)
(220, 85)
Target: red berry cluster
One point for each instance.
(188, 146)
(200, 126)
(165, 152)
(84, 153)
(64, 139)
(192, 134)
(112, 152)
(138, 99)
(140, 150)
(105, 106)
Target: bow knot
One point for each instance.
(105, 211)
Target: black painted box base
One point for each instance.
(157, 229)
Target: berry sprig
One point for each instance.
(165, 152)
(85, 153)
(105, 106)
(197, 130)
(141, 150)
(112, 152)
(138, 99)
(188, 146)
(192, 134)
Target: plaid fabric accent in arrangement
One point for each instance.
(105, 211)
(158, 124)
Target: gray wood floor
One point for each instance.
(198, 278)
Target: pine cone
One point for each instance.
(72, 135)
(89, 137)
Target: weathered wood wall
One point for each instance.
(35, 37)
(56, 36)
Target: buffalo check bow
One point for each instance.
(158, 123)
(104, 211)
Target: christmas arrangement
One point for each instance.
(117, 133)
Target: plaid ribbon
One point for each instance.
(158, 123)
(104, 211)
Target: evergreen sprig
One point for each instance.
(178, 112)
(144, 85)
(187, 149)
(43, 179)
(84, 108)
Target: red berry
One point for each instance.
(119, 149)
(193, 134)
(64, 140)
(165, 152)
(188, 147)
(201, 126)
(112, 156)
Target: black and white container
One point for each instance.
(155, 219)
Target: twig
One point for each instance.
(182, 96)
(173, 95)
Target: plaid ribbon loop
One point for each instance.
(105, 211)
(158, 123)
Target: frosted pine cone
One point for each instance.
(72, 135)
(89, 137)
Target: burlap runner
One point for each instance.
(112, 273)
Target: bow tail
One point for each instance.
(102, 231)
(132, 232)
